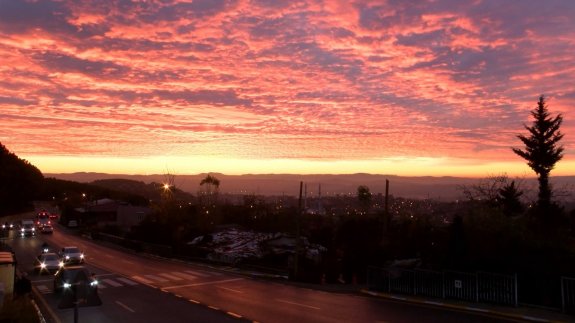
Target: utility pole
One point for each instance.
(386, 220)
(297, 234)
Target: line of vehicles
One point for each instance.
(66, 264)
(29, 227)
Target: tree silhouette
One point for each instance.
(364, 196)
(20, 182)
(541, 149)
(509, 198)
(208, 193)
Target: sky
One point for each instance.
(412, 88)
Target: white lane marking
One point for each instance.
(230, 289)
(156, 278)
(112, 283)
(234, 315)
(125, 306)
(198, 273)
(142, 279)
(168, 276)
(206, 283)
(184, 276)
(127, 281)
(298, 304)
(43, 289)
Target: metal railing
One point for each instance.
(568, 294)
(475, 287)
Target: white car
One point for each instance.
(48, 262)
(72, 255)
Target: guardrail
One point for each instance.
(475, 287)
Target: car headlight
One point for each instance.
(61, 264)
(22, 230)
(67, 257)
(33, 229)
(67, 285)
(82, 256)
(43, 265)
(94, 283)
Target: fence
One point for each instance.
(474, 287)
(568, 294)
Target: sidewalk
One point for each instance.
(523, 313)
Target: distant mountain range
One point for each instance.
(443, 188)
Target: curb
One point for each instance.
(467, 308)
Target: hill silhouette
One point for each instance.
(442, 188)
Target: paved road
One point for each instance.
(124, 299)
(142, 288)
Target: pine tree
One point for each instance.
(541, 148)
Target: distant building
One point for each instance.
(105, 212)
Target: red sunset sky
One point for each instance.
(265, 86)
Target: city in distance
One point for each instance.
(445, 188)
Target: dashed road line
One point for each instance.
(234, 315)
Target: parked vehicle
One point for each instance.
(48, 262)
(72, 255)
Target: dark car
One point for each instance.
(48, 262)
(67, 277)
(47, 228)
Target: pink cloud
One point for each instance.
(281, 80)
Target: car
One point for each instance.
(72, 255)
(48, 262)
(66, 277)
(47, 228)
(42, 218)
(27, 229)
(7, 226)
